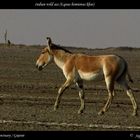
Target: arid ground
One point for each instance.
(27, 95)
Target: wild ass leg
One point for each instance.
(130, 95)
(132, 98)
(61, 91)
(79, 84)
(110, 88)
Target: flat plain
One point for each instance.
(27, 95)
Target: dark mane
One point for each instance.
(57, 47)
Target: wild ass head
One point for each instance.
(45, 57)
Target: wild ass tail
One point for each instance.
(129, 77)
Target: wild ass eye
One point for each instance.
(43, 52)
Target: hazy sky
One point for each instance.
(81, 28)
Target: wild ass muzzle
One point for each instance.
(79, 67)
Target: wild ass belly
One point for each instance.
(98, 76)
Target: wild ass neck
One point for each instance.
(60, 57)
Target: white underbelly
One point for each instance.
(91, 75)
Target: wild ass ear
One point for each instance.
(49, 42)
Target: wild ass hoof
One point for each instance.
(101, 112)
(80, 111)
(55, 108)
(134, 113)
